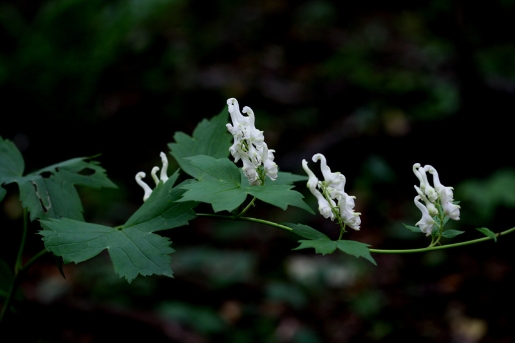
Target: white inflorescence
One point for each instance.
(163, 177)
(333, 201)
(249, 145)
(432, 197)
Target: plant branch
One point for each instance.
(251, 203)
(248, 219)
(439, 247)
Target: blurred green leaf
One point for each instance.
(484, 196)
(412, 228)
(202, 319)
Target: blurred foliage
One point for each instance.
(375, 86)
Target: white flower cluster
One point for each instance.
(333, 202)
(432, 197)
(163, 177)
(249, 145)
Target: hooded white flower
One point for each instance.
(249, 145)
(426, 224)
(332, 201)
(446, 195)
(163, 177)
(323, 205)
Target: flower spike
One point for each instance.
(438, 200)
(249, 145)
(333, 201)
(153, 173)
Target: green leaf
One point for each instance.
(12, 164)
(487, 233)
(355, 248)
(50, 192)
(306, 231)
(412, 228)
(451, 233)
(321, 246)
(133, 247)
(210, 138)
(12, 161)
(221, 187)
(284, 178)
(132, 251)
(279, 195)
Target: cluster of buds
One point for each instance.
(249, 145)
(333, 202)
(437, 200)
(162, 177)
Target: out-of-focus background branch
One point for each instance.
(375, 86)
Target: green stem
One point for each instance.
(439, 247)
(251, 203)
(248, 219)
(342, 230)
(17, 263)
(16, 282)
(19, 269)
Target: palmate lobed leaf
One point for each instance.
(323, 245)
(210, 138)
(50, 192)
(133, 248)
(221, 186)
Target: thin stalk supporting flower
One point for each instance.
(437, 206)
(162, 176)
(333, 201)
(249, 146)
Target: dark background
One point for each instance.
(375, 86)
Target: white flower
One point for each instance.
(446, 195)
(333, 202)
(249, 145)
(426, 224)
(323, 205)
(163, 177)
